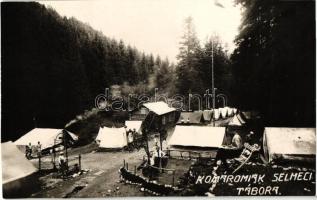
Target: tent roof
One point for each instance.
(112, 137)
(14, 164)
(197, 136)
(159, 108)
(133, 124)
(191, 117)
(45, 136)
(236, 121)
(223, 111)
(290, 141)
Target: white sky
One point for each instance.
(155, 26)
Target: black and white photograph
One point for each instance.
(158, 98)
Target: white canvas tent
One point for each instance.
(289, 144)
(134, 125)
(197, 136)
(112, 138)
(223, 112)
(16, 169)
(45, 136)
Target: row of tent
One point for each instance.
(295, 144)
(49, 137)
(199, 117)
(278, 144)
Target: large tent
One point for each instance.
(17, 171)
(134, 125)
(297, 144)
(191, 118)
(197, 136)
(112, 138)
(48, 137)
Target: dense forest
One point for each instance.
(53, 67)
(274, 62)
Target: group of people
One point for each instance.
(29, 150)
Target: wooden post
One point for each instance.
(39, 161)
(173, 178)
(79, 162)
(123, 163)
(127, 166)
(134, 169)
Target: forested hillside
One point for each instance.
(53, 67)
(274, 63)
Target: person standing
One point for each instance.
(62, 164)
(39, 149)
(29, 151)
(237, 141)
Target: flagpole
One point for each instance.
(212, 82)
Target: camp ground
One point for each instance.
(18, 173)
(111, 138)
(48, 138)
(289, 144)
(196, 140)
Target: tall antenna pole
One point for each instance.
(212, 81)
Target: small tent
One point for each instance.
(230, 111)
(197, 136)
(236, 121)
(48, 137)
(223, 112)
(296, 144)
(112, 138)
(216, 114)
(207, 115)
(134, 125)
(17, 171)
(191, 118)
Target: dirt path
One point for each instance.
(100, 181)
